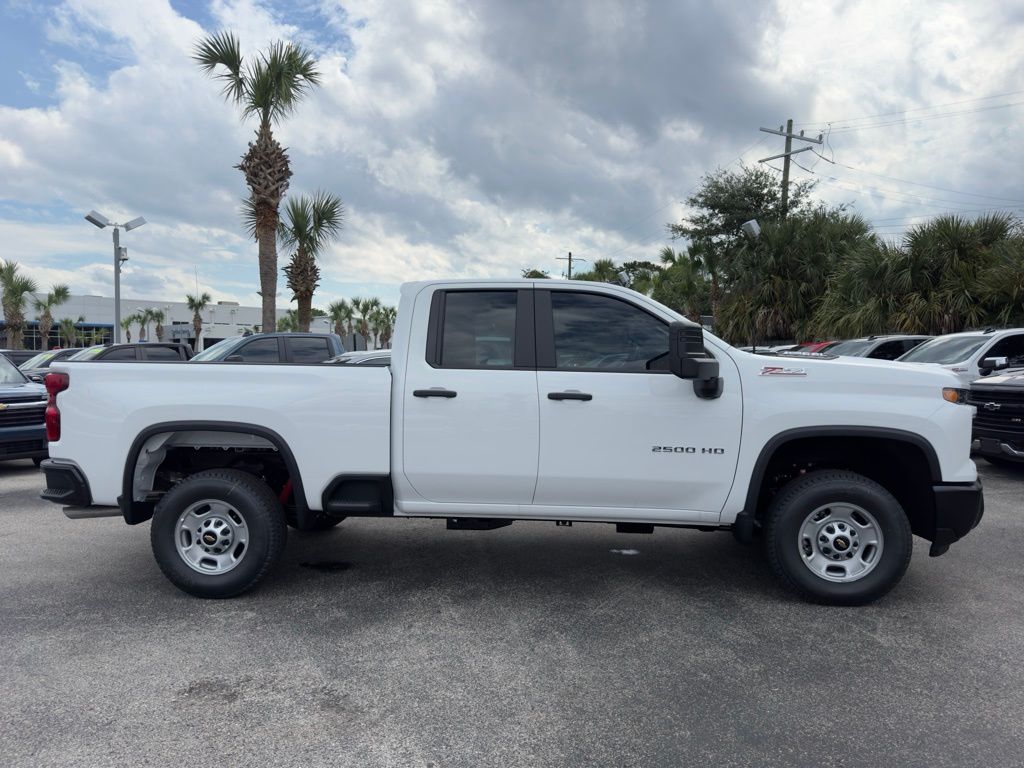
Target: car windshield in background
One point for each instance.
(944, 351)
(39, 361)
(9, 374)
(217, 350)
(87, 354)
(853, 347)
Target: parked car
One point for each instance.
(998, 433)
(35, 367)
(375, 357)
(513, 400)
(818, 347)
(17, 356)
(274, 348)
(143, 351)
(965, 353)
(887, 347)
(22, 415)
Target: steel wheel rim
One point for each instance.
(211, 537)
(840, 542)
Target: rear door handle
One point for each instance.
(436, 392)
(569, 396)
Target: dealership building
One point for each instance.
(94, 320)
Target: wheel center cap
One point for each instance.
(841, 544)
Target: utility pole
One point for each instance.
(788, 133)
(570, 259)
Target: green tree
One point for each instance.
(681, 283)
(535, 274)
(309, 224)
(364, 309)
(342, 315)
(289, 323)
(269, 88)
(68, 331)
(197, 304)
(126, 326)
(158, 317)
(603, 271)
(385, 319)
(14, 289)
(59, 294)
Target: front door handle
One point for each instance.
(437, 392)
(569, 396)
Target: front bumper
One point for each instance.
(958, 509)
(996, 447)
(27, 442)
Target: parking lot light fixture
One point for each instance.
(97, 219)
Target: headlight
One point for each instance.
(953, 395)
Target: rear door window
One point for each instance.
(479, 329)
(161, 354)
(120, 354)
(307, 350)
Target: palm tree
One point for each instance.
(365, 308)
(341, 314)
(126, 326)
(535, 274)
(604, 271)
(158, 317)
(268, 88)
(197, 304)
(57, 296)
(68, 330)
(289, 323)
(14, 287)
(310, 223)
(144, 317)
(385, 318)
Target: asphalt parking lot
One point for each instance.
(399, 643)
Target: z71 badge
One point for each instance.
(778, 370)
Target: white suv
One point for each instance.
(964, 353)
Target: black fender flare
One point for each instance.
(800, 433)
(136, 512)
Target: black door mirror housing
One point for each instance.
(688, 360)
(990, 364)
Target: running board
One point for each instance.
(81, 513)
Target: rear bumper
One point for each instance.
(958, 509)
(65, 484)
(28, 442)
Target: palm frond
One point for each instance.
(223, 49)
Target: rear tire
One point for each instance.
(814, 531)
(216, 533)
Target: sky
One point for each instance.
(477, 139)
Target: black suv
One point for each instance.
(151, 351)
(998, 432)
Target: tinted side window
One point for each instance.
(889, 350)
(1011, 347)
(161, 353)
(309, 350)
(602, 333)
(121, 353)
(259, 351)
(479, 329)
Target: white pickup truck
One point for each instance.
(525, 400)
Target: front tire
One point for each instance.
(837, 538)
(216, 533)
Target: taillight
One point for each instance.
(55, 382)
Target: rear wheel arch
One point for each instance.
(136, 511)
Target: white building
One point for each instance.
(221, 320)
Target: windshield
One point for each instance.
(854, 347)
(216, 351)
(9, 374)
(42, 360)
(945, 351)
(87, 354)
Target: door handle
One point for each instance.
(437, 392)
(569, 396)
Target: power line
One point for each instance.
(921, 184)
(914, 109)
(926, 118)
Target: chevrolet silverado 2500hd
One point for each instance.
(525, 400)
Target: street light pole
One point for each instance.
(120, 254)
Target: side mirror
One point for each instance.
(36, 378)
(688, 360)
(234, 359)
(990, 364)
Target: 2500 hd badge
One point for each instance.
(687, 449)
